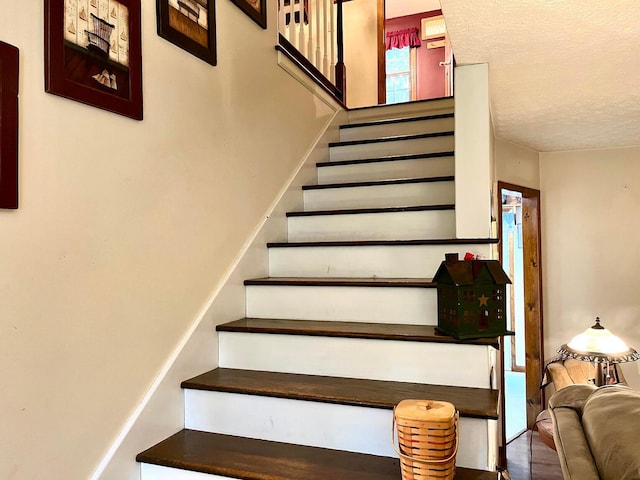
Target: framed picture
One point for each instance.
(93, 53)
(189, 24)
(256, 9)
(8, 126)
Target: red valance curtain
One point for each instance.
(403, 38)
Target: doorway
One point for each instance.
(419, 66)
(520, 253)
(512, 254)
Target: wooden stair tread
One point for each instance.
(357, 211)
(363, 243)
(343, 282)
(388, 158)
(374, 331)
(251, 459)
(426, 101)
(375, 183)
(391, 121)
(393, 138)
(471, 402)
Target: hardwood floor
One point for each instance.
(544, 464)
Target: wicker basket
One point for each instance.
(427, 438)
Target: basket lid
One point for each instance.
(425, 410)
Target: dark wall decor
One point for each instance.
(189, 24)
(8, 126)
(93, 53)
(256, 9)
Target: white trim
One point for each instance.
(292, 69)
(128, 425)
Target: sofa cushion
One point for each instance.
(611, 423)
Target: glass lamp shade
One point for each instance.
(597, 344)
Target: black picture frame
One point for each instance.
(95, 59)
(191, 25)
(9, 70)
(255, 9)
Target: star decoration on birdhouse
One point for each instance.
(483, 300)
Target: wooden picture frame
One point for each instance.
(9, 67)
(255, 9)
(189, 24)
(93, 53)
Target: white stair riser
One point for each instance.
(158, 472)
(393, 360)
(413, 109)
(316, 424)
(366, 172)
(402, 261)
(415, 306)
(402, 128)
(394, 195)
(408, 225)
(397, 147)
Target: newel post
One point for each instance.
(341, 71)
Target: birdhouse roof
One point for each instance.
(471, 272)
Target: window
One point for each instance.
(400, 75)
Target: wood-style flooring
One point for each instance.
(536, 463)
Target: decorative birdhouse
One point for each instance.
(471, 298)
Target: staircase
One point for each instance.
(343, 328)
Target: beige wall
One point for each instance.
(516, 164)
(361, 52)
(163, 413)
(473, 151)
(590, 207)
(125, 228)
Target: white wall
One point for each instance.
(516, 164)
(163, 415)
(473, 150)
(125, 229)
(590, 207)
(361, 52)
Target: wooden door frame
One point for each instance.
(534, 333)
(382, 61)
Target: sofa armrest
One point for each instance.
(572, 396)
(565, 407)
(574, 453)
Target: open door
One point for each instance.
(528, 211)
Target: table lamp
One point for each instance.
(599, 346)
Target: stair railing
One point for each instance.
(311, 34)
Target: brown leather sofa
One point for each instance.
(597, 431)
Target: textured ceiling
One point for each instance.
(563, 75)
(400, 8)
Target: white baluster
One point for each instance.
(292, 23)
(325, 31)
(282, 26)
(311, 14)
(302, 39)
(319, 7)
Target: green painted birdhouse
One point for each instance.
(471, 298)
